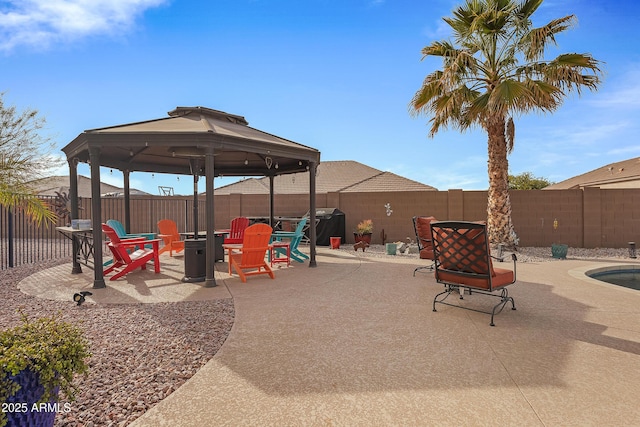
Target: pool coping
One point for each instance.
(581, 273)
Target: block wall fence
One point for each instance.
(587, 218)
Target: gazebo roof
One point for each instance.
(167, 145)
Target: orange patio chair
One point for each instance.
(423, 236)
(169, 234)
(248, 259)
(130, 254)
(236, 233)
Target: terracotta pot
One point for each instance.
(335, 242)
(366, 237)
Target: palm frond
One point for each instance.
(510, 134)
(535, 42)
(439, 48)
(527, 8)
(34, 208)
(567, 72)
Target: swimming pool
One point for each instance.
(621, 275)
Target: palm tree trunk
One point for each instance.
(499, 225)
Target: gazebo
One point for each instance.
(195, 141)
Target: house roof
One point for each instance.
(387, 181)
(332, 176)
(50, 185)
(624, 174)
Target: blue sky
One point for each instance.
(336, 75)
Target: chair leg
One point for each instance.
(156, 262)
(429, 267)
(504, 299)
(447, 291)
(300, 254)
(269, 271)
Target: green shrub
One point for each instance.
(53, 349)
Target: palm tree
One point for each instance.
(494, 70)
(23, 157)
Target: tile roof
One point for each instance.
(387, 181)
(332, 176)
(624, 174)
(246, 186)
(49, 185)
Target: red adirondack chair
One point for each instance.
(130, 254)
(236, 233)
(248, 259)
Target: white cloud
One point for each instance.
(624, 90)
(58, 166)
(41, 23)
(632, 149)
(468, 173)
(589, 134)
(439, 30)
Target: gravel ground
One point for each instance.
(542, 254)
(141, 353)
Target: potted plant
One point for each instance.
(38, 359)
(363, 231)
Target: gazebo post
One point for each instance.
(271, 199)
(312, 213)
(210, 280)
(73, 197)
(96, 218)
(127, 201)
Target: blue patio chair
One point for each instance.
(295, 238)
(122, 234)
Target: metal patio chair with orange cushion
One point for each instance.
(130, 254)
(248, 258)
(423, 237)
(236, 232)
(169, 234)
(463, 261)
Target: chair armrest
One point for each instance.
(148, 236)
(137, 242)
(284, 234)
(166, 235)
(514, 258)
(262, 249)
(133, 239)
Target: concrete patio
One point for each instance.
(355, 342)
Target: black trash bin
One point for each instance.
(195, 260)
(330, 223)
